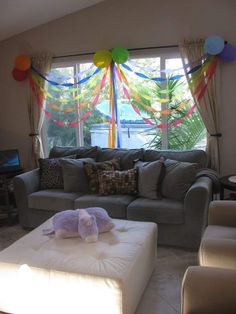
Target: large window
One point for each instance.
(134, 132)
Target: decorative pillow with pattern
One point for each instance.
(92, 169)
(118, 182)
(50, 172)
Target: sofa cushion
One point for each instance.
(127, 156)
(115, 205)
(118, 182)
(194, 156)
(81, 152)
(74, 176)
(54, 199)
(150, 175)
(164, 211)
(50, 173)
(179, 176)
(91, 169)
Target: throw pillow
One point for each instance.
(150, 175)
(74, 176)
(50, 172)
(92, 169)
(118, 182)
(179, 176)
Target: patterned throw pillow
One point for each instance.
(50, 172)
(118, 182)
(92, 169)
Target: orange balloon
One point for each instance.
(22, 63)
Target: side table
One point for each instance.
(226, 184)
(7, 209)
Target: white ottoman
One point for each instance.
(43, 275)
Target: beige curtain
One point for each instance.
(192, 50)
(42, 62)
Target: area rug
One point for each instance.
(162, 295)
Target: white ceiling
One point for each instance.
(17, 16)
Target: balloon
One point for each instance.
(102, 58)
(120, 55)
(19, 75)
(228, 53)
(214, 45)
(22, 63)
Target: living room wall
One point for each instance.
(129, 23)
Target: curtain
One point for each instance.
(42, 62)
(192, 50)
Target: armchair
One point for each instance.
(210, 287)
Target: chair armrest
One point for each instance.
(222, 213)
(208, 290)
(197, 201)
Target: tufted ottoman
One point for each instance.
(43, 275)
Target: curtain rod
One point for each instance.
(131, 49)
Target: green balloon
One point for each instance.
(120, 55)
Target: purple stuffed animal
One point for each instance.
(86, 223)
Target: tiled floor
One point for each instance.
(162, 295)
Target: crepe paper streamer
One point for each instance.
(84, 80)
(120, 55)
(228, 53)
(214, 45)
(39, 99)
(19, 75)
(22, 63)
(117, 116)
(81, 105)
(112, 133)
(202, 86)
(102, 58)
(180, 106)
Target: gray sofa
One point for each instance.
(180, 222)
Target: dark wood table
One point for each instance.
(226, 184)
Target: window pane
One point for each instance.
(57, 100)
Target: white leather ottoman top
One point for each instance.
(44, 275)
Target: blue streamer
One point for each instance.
(85, 79)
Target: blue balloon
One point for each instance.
(214, 45)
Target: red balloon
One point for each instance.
(19, 75)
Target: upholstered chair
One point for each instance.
(211, 287)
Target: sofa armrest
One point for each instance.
(25, 184)
(197, 201)
(222, 213)
(208, 290)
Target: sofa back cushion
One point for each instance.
(127, 156)
(193, 156)
(150, 175)
(74, 176)
(178, 178)
(80, 152)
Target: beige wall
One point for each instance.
(130, 23)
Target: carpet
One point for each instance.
(162, 295)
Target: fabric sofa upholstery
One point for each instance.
(210, 287)
(180, 222)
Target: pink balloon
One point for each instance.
(228, 53)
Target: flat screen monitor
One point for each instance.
(9, 160)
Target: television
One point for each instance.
(9, 160)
